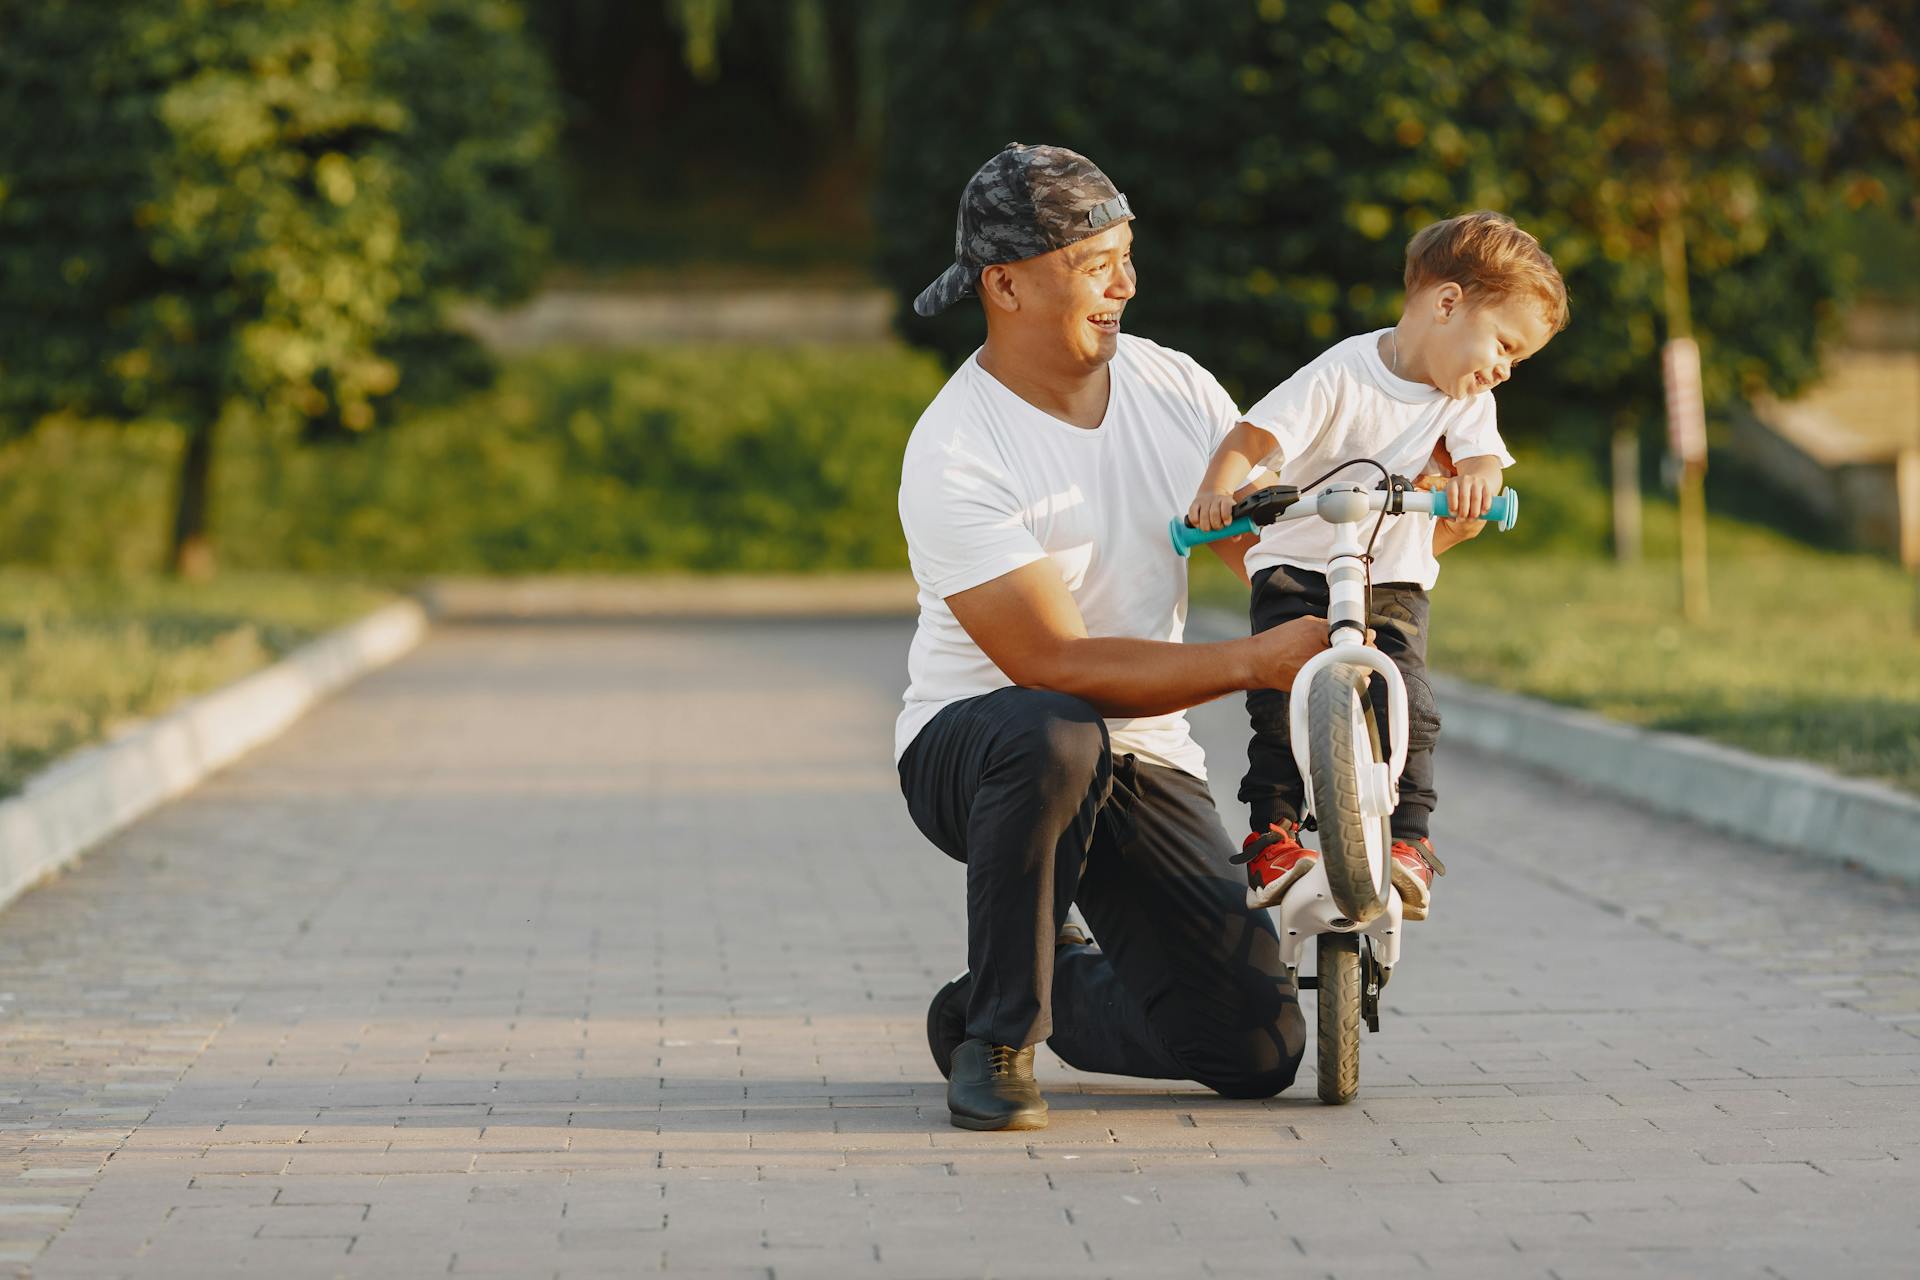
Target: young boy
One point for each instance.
(1482, 296)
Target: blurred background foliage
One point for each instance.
(674, 458)
(714, 143)
(213, 208)
(236, 238)
(260, 211)
(1279, 153)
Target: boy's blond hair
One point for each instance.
(1489, 256)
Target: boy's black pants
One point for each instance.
(1272, 788)
(1183, 981)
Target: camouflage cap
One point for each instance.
(1024, 202)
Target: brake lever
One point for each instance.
(1264, 506)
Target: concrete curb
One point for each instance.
(784, 317)
(889, 595)
(91, 794)
(1787, 804)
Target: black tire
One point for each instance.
(1337, 1050)
(1337, 693)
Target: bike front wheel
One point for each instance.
(1346, 740)
(1336, 1048)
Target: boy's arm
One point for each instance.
(1474, 485)
(1244, 447)
(1470, 490)
(1233, 551)
(1448, 534)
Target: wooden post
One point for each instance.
(1906, 474)
(1626, 493)
(1906, 479)
(1686, 416)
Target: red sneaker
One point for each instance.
(1274, 860)
(1413, 868)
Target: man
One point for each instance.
(1043, 742)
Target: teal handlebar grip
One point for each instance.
(1186, 537)
(1502, 513)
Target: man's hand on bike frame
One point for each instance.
(1280, 652)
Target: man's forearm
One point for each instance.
(1125, 678)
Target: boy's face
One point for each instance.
(1473, 344)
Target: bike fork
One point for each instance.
(1347, 634)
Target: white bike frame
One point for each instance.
(1308, 910)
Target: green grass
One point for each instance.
(81, 657)
(673, 459)
(1807, 654)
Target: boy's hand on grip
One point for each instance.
(1469, 496)
(1211, 509)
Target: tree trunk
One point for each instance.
(1626, 490)
(844, 66)
(192, 541)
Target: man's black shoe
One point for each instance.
(947, 1015)
(992, 1088)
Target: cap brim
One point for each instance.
(955, 283)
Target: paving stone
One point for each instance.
(472, 972)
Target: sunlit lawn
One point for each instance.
(81, 657)
(1808, 654)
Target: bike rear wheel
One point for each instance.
(1337, 1045)
(1345, 740)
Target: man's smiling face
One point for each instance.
(1078, 293)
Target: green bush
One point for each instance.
(672, 459)
(1279, 153)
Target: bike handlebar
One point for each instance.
(1502, 513)
(1283, 502)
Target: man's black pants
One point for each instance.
(1272, 788)
(1184, 981)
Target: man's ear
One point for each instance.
(1446, 301)
(998, 289)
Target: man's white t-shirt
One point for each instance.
(990, 483)
(1346, 404)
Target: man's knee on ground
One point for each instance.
(1268, 1085)
(1255, 1080)
(1258, 1064)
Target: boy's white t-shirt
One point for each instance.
(990, 483)
(1347, 404)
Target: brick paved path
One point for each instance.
(601, 950)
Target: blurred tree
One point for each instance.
(1277, 154)
(1704, 150)
(257, 206)
(699, 130)
(1280, 152)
